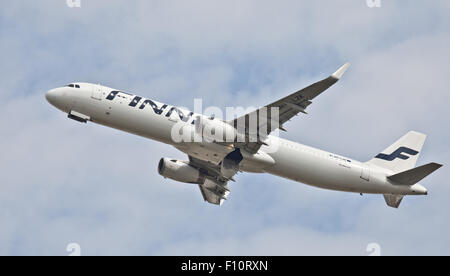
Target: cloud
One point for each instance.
(65, 182)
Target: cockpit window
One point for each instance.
(73, 85)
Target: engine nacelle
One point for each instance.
(180, 171)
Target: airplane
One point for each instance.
(212, 163)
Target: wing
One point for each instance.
(288, 107)
(214, 190)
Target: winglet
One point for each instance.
(340, 72)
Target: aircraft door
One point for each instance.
(96, 92)
(365, 172)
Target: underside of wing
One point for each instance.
(273, 116)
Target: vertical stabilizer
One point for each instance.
(402, 155)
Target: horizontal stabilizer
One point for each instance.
(393, 200)
(412, 176)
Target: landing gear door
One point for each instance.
(96, 92)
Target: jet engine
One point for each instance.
(180, 171)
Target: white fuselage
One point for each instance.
(291, 160)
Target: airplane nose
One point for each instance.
(52, 96)
(58, 98)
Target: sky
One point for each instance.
(63, 182)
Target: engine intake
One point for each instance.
(180, 171)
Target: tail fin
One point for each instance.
(402, 155)
(409, 178)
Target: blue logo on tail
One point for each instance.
(399, 153)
